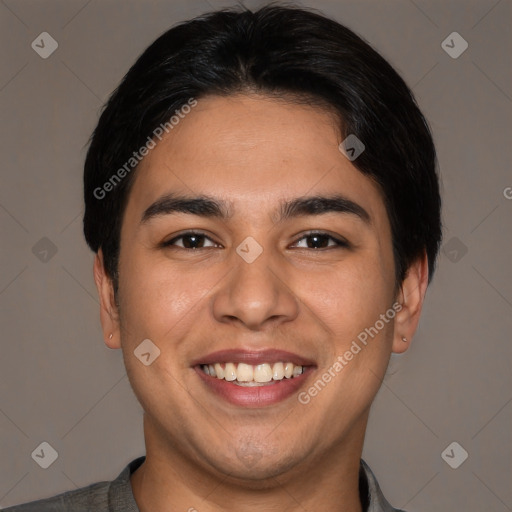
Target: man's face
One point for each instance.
(195, 296)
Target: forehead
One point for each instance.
(252, 151)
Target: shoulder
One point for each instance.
(111, 496)
(92, 497)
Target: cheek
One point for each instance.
(351, 297)
(160, 299)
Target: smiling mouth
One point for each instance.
(248, 375)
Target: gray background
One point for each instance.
(59, 382)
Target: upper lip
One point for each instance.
(252, 357)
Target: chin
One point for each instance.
(257, 466)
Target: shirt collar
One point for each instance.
(377, 501)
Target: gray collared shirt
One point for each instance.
(117, 495)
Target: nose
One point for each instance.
(256, 295)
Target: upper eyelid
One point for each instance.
(182, 235)
(336, 238)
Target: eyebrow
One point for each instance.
(210, 207)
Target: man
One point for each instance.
(261, 194)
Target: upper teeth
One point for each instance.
(252, 373)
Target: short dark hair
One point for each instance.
(286, 52)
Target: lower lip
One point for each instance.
(255, 396)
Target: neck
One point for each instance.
(171, 480)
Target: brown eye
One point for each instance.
(320, 241)
(190, 240)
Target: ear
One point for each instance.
(411, 296)
(109, 314)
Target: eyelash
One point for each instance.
(339, 243)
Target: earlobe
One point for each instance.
(108, 308)
(411, 297)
